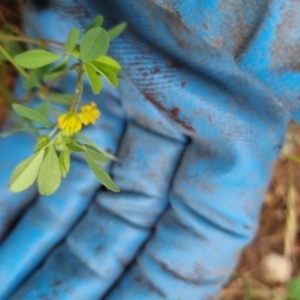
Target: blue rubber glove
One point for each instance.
(197, 124)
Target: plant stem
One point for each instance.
(78, 90)
(43, 90)
(53, 132)
(11, 60)
(39, 42)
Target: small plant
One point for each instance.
(41, 69)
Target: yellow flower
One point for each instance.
(89, 113)
(69, 123)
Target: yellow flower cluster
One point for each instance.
(89, 113)
(70, 122)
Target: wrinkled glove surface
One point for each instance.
(197, 123)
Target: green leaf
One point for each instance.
(117, 30)
(30, 114)
(293, 289)
(96, 155)
(64, 162)
(74, 146)
(76, 52)
(94, 78)
(109, 63)
(26, 172)
(49, 177)
(110, 76)
(41, 143)
(58, 70)
(72, 40)
(36, 58)
(94, 43)
(97, 22)
(53, 76)
(32, 81)
(34, 78)
(92, 144)
(10, 132)
(43, 108)
(101, 175)
(62, 99)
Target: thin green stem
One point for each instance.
(53, 132)
(39, 42)
(11, 60)
(78, 90)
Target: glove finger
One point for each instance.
(216, 196)
(115, 226)
(48, 220)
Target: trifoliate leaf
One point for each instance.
(49, 177)
(72, 40)
(109, 63)
(31, 114)
(36, 58)
(94, 43)
(64, 162)
(26, 172)
(97, 22)
(94, 78)
(96, 155)
(117, 30)
(101, 174)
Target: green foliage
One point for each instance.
(97, 22)
(50, 175)
(110, 76)
(41, 68)
(30, 114)
(34, 78)
(64, 162)
(26, 172)
(108, 63)
(43, 108)
(293, 289)
(101, 175)
(96, 154)
(74, 146)
(94, 43)
(72, 40)
(42, 142)
(94, 79)
(117, 30)
(36, 58)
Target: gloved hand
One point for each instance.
(196, 124)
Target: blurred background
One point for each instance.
(270, 266)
